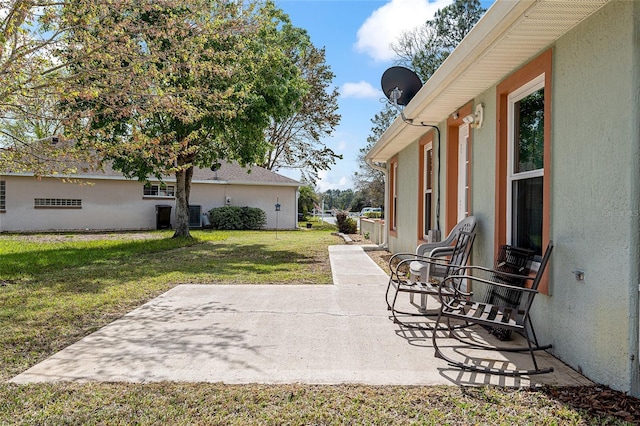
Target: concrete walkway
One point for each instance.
(324, 334)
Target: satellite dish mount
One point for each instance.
(214, 168)
(400, 85)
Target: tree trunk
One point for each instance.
(183, 188)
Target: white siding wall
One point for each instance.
(110, 205)
(264, 197)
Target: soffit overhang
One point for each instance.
(508, 35)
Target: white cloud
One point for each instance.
(342, 145)
(327, 181)
(360, 90)
(386, 24)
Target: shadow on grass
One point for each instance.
(91, 269)
(56, 256)
(203, 263)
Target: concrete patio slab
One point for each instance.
(324, 334)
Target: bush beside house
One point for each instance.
(373, 215)
(232, 217)
(346, 224)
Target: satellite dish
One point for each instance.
(400, 85)
(215, 167)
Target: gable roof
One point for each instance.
(508, 35)
(236, 174)
(229, 173)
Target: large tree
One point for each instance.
(180, 84)
(307, 200)
(296, 140)
(32, 77)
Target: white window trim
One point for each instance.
(158, 184)
(425, 179)
(3, 195)
(463, 172)
(394, 206)
(53, 203)
(522, 92)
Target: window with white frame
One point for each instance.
(525, 171)
(463, 172)
(394, 195)
(159, 190)
(427, 196)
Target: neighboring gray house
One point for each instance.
(552, 91)
(109, 201)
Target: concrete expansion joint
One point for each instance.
(331, 314)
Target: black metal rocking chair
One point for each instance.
(445, 263)
(500, 313)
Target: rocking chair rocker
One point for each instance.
(456, 304)
(448, 262)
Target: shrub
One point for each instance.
(232, 217)
(373, 215)
(346, 224)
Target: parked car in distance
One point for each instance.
(370, 210)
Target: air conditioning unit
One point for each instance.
(195, 216)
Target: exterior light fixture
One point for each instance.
(475, 120)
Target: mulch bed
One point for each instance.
(599, 401)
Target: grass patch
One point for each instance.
(34, 255)
(208, 403)
(55, 289)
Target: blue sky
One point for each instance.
(356, 35)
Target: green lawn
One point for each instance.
(55, 289)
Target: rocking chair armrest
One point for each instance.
(402, 255)
(435, 252)
(441, 251)
(450, 284)
(453, 279)
(429, 247)
(468, 270)
(437, 257)
(424, 259)
(440, 261)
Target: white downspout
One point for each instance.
(295, 207)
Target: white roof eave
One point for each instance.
(171, 179)
(490, 52)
